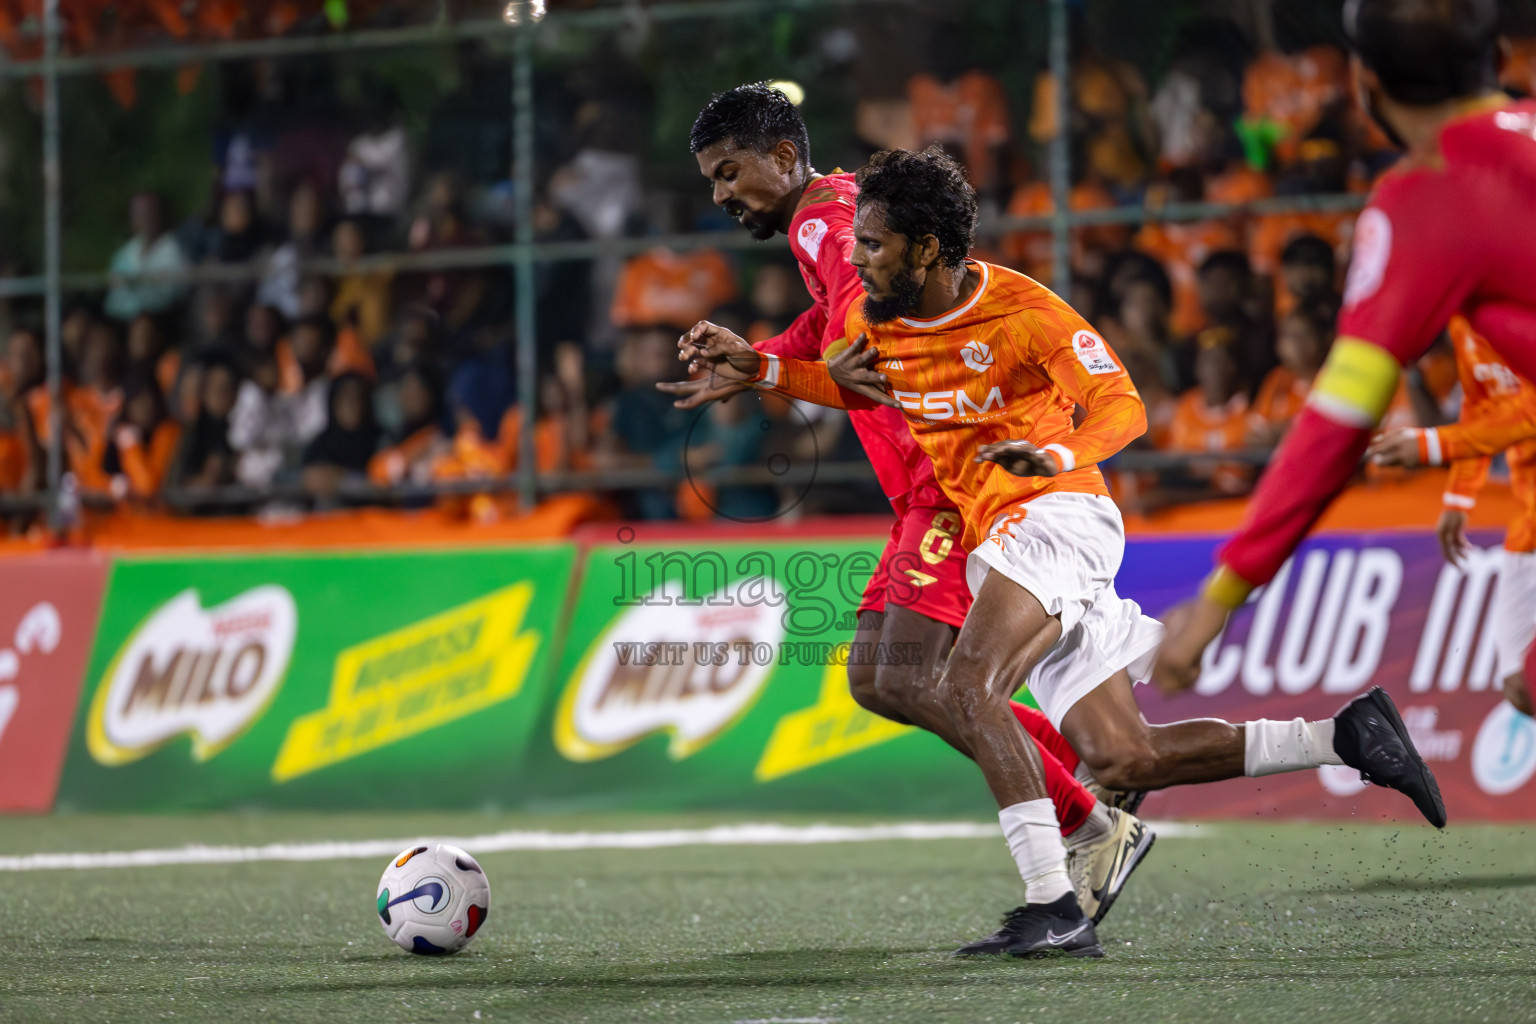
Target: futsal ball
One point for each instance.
(433, 898)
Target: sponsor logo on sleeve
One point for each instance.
(416, 678)
(811, 235)
(691, 672)
(1093, 353)
(207, 673)
(1368, 264)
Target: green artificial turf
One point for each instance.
(1257, 922)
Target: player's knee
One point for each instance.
(895, 686)
(1125, 763)
(963, 698)
(863, 685)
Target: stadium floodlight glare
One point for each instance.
(522, 12)
(793, 90)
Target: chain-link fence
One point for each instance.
(449, 229)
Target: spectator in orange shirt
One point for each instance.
(1305, 335)
(148, 353)
(143, 441)
(962, 108)
(93, 404)
(1032, 251)
(1183, 248)
(347, 444)
(665, 288)
(1213, 415)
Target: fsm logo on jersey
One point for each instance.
(1504, 754)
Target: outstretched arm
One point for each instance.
(710, 346)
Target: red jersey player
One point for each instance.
(1445, 232)
(751, 144)
(978, 357)
(1498, 413)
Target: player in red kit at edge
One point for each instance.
(1446, 231)
(751, 144)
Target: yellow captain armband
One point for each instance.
(1226, 588)
(1356, 384)
(830, 352)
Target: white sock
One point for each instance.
(1034, 838)
(1271, 747)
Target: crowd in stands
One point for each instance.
(293, 386)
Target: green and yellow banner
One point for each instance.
(357, 680)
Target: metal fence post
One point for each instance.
(53, 311)
(522, 198)
(1061, 152)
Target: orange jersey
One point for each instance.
(970, 113)
(1031, 251)
(672, 289)
(1010, 362)
(1198, 427)
(1498, 412)
(1279, 400)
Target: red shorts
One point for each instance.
(923, 566)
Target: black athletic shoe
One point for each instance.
(1040, 930)
(1369, 735)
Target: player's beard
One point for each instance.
(906, 290)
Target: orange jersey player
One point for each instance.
(1010, 362)
(1498, 413)
(979, 359)
(751, 144)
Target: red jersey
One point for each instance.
(1010, 362)
(1444, 233)
(821, 237)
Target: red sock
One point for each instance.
(1530, 667)
(1037, 725)
(1073, 802)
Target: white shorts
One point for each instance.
(1514, 610)
(1065, 550)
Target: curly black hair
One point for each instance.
(753, 116)
(922, 194)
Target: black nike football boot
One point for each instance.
(1369, 735)
(1041, 930)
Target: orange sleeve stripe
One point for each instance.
(808, 380)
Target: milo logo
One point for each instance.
(204, 672)
(690, 672)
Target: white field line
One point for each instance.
(765, 834)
